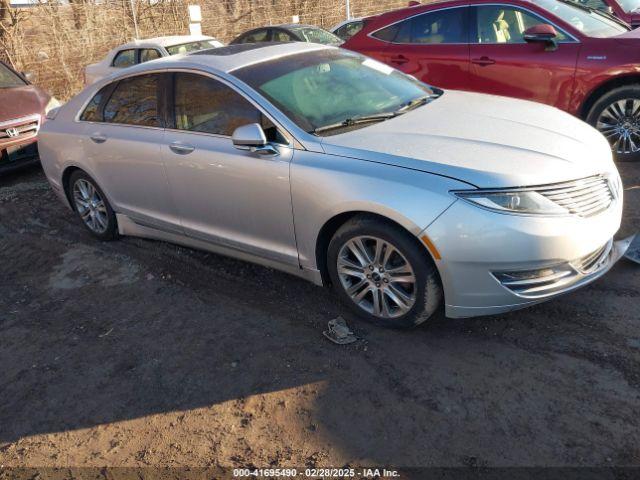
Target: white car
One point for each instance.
(140, 51)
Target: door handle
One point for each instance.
(181, 149)
(483, 61)
(97, 138)
(399, 59)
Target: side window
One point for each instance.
(436, 27)
(125, 58)
(282, 36)
(256, 37)
(203, 104)
(440, 26)
(134, 102)
(387, 34)
(92, 111)
(147, 54)
(506, 24)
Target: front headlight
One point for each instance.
(525, 202)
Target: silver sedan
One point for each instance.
(341, 170)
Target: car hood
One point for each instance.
(21, 101)
(487, 141)
(628, 38)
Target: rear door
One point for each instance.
(432, 46)
(122, 144)
(503, 63)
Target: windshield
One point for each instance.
(591, 24)
(317, 35)
(629, 5)
(193, 46)
(328, 87)
(8, 78)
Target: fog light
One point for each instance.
(536, 282)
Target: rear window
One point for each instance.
(255, 37)
(192, 47)
(125, 58)
(317, 35)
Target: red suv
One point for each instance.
(550, 51)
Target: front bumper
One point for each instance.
(475, 244)
(19, 156)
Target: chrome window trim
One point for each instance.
(571, 36)
(293, 142)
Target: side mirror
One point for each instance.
(542, 33)
(251, 137)
(29, 76)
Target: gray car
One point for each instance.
(341, 170)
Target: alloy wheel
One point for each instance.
(377, 276)
(620, 124)
(90, 206)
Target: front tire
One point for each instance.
(92, 206)
(617, 116)
(382, 273)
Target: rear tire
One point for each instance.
(382, 273)
(616, 114)
(92, 206)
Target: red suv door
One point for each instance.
(503, 63)
(432, 46)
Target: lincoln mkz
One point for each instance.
(342, 170)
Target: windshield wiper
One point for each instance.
(378, 117)
(349, 122)
(415, 103)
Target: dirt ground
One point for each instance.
(138, 353)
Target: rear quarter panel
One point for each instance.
(61, 143)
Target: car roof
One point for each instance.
(232, 57)
(165, 41)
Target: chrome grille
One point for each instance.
(585, 197)
(20, 128)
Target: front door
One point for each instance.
(503, 63)
(227, 196)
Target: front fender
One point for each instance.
(324, 186)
